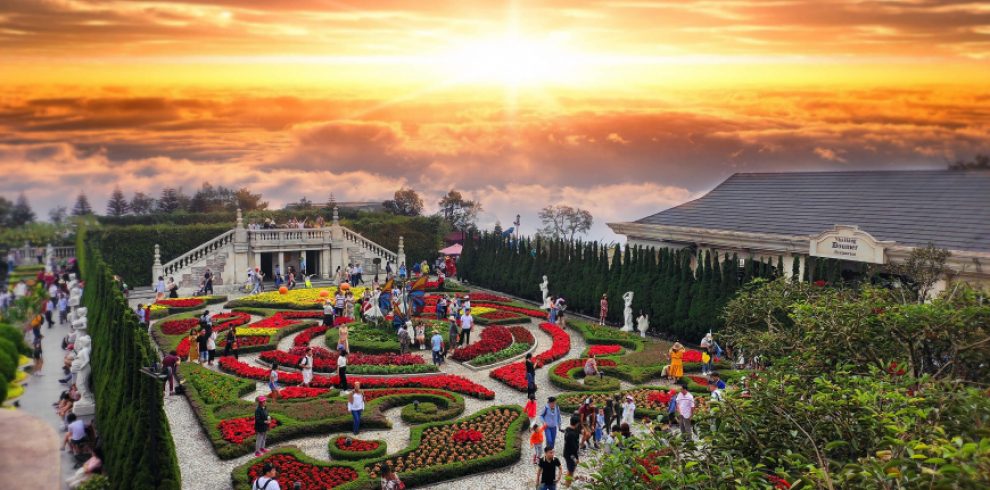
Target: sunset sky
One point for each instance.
(620, 107)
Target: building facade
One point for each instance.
(856, 218)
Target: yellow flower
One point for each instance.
(302, 297)
(248, 331)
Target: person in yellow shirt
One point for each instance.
(676, 370)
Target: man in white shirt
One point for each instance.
(266, 481)
(467, 322)
(685, 411)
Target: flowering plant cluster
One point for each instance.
(372, 394)
(692, 355)
(442, 381)
(645, 398)
(291, 470)
(177, 327)
(660, 398)
(181, 302)
(468, 436)
(290, 392)
(514, 374)
(493, 339)
(300, 315)
(522, 335)
(326, 360)
(345, 443)
(253, 331)
(303, 298)
(275, 321)
(306, 336)
(487, 297)
(239, 429)
(563, 368)
(700, 380)
(439, 445)
(604, 350)
(515, 309)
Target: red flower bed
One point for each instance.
(326, 360)
(692, 355)
(372, 394)
(223, 321)
(514, 374)
(356, 445)
(180, 302)
(307, 335)
(701, 380)
(661, 398)
(300, 392)
(438, 381)
(291, 470)
(493, 339)
(177, 327)
(182, 350)
(522, 335)
(489, 297)
(274, 321)
(562, 368)
(464, 436)
(236, 430)
(498, 315)
(515, 309)
(299, 315)
(604, 350)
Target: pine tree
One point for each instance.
(169, 202)
(21, 213)
(117, 205)
(796, 269)
(82, 207)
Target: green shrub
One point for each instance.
(3, 388)
(573, 383)
(512, 351)
(16, 337)
(96, 482)
(340, 454)
(8, 359)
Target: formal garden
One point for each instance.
(829, 384)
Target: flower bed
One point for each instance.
(293, 467)
(304, 338)
(178, 327)
(349, 448)
(295, 392)
(370, 395)
(435, 455)
(514, 374)
(181, 302)
(239, 429)
(493, 339)
(499, 317)
(476, 296)
(563, 376)
(514, 309)
(214, 388)
(603, 350)
(442, 381)
(300, 315)
(296, 299)
(523, 340)
(182, 350)
(325, 360)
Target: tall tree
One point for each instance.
(142, 203)
(248, 201)
(169, 202)
(58, 214)
(117, 205)
(459, 212)
(331, 201)
(82, 207)
(21, 214)
(6, 207)
(304, 203)
(564, 221)
(405, 202)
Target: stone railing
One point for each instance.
(64, 252)
(289, 237)
(369, 246)
(195, 255)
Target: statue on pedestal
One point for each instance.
(627, 312)
(545, 289)
(643, 324)
(374, 311)
(82, 369)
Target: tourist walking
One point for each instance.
(676, 355)
(467, 323)
(599, 426)
(172, 288)
(193, 345)
(548, 471)
(536, 439)
(437, 341)
(50, 312)
(342, 369)
(171, 364)
(572, 442)
(603, 309)
(211, 346)
(306, 364)
(530, 375)
(551, 418)
(63, 309)
(390, 480)
(261, 423)
(273, 386)
(560, 305)
(685, 411)
(355, 403)
(404, 340)
(201, 342)
(230, 344)
(530, 410)
(160, 288)
(628, 411)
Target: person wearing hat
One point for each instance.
(261, 422)
(551, 418)
(266, 480)
(676, 369)
(628, 411)
(453, 331)
(437, 343)
(404, 340)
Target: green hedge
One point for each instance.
(597, 334)
(432, 408)
(516, 319)
(138, 447)
(366, 339)
(241, 480)
(339, 455)
(133, 261)
(589, 384)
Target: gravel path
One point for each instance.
(202, 469)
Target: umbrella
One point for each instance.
(454, 249)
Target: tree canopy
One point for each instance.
(405, 202)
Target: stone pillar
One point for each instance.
(788, 271)
(401, 255)
(49, 259)
(281, 263)
(241, 260)
(325, 252)
(156, 268)
(801, 262)
(257, 261)
(336, 217)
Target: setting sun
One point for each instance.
(513, 60)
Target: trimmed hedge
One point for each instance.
(241, 481)
(138, 447)
(382, 341)
(571, 382)
(340, 455)
(597, 334)
(442, 409)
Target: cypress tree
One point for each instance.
(796, 269)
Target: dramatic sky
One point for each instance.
(620, 107)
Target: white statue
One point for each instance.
(627, 312)
(374, 312)
(643, 324)
(82, 369)
(545, 289)
(75, 294)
